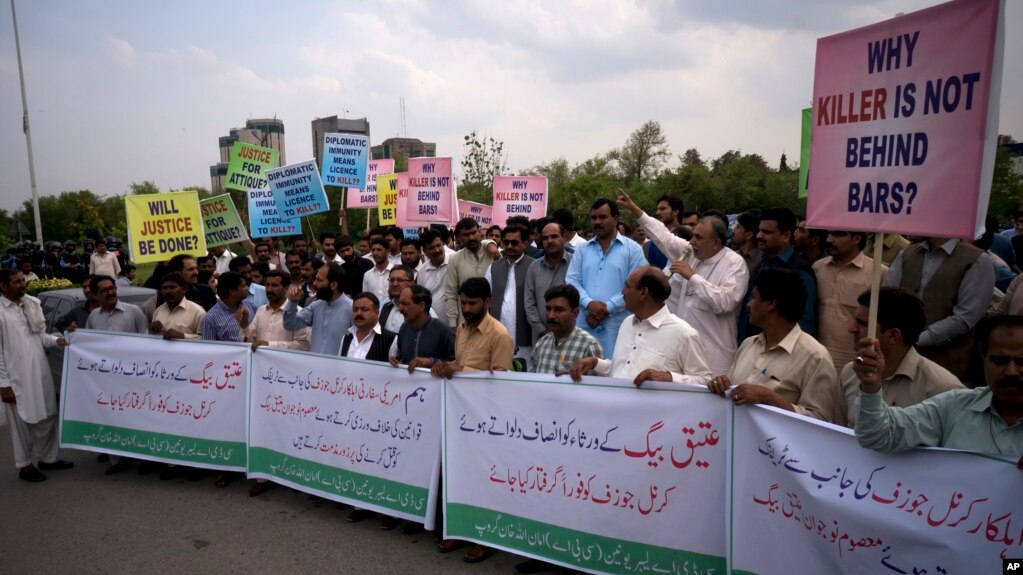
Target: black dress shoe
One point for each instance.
(119, 467)
(31, 474)
(102, 458)
(56, 465)
(147, 467)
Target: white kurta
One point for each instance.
(23, 365)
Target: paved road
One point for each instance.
(82, 521)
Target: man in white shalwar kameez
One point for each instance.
(26, 386)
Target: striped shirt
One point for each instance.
(221, 325)
(550, 357)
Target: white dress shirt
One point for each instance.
(509, 307)
(432, 278)
(375, 281)
(710, 300)
(360, 349)
(662, 342)
(268, 326)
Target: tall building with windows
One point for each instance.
(335, 125)
(410, 147)
(265, 132)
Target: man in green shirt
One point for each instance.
(985, 420)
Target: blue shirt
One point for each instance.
(220, 324)
(600, 276)
(330, 322)
(257, 295)
(787, 259)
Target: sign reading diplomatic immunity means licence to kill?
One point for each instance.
(265, 221)
(248, 166)
(297, 190)
(221, 222)
(161, 226)
(360, 432)
(185, 404)
(344, 160)
(905, 123)
(597, 475)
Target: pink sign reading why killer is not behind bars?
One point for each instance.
(901, 115)
(519, 196)
(430, 191)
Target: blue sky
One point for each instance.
(122, 92)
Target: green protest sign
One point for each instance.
(221, 222)
(248, 166)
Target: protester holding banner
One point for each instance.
(330, 314)
(200, 293)
(113, 314)
(267, 327)
(423, 337)
(176, 318)
(955, 281)
(564, 342)
(481, 342)
(26, 385)
(908, 378)
(782, 366)
(469, 262)
(544, 273)
(983, 420)
(653, 344)
(599, 269)
(365, 339)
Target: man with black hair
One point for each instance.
(411, 253)
(563, 343)
(374, 280)
(422, 338)
(469, 262)
(365, 339)
(841, 276)
(982, 420)
(79, 314)
(782, 366)
(26, 384)
(744, 238)
(177, 317)
(394, 236)
(544, 273)
(257, 293)
(507, 277)
(599, 269)
(908, 378)
(653, 344)
(267, 326)
(355, 266)
(775, 242)
(565, 217)
(667, 212)
(328, 243)
(330, 314)
(809, 242)
(189, 268)
(227, 320)
(433, 272)
(481, 342)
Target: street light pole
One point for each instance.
(28, 132)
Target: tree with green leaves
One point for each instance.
(483, 158)
(643, 154)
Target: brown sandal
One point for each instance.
(449, 545)
(478, 553)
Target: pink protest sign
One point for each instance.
(368, 198)
(901, 111)
(482, 213)
(402, 222)
(519, 196)
(430, 191)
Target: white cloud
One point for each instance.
(120, 51)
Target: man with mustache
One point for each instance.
(564, 342)
(365, 339)
(841, 277)
(470, 262)
(599, 269)
(984, 419)
(330, 314)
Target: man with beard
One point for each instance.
(469, 262)
(26, 385)
(983, 420)
(668, 210)
(330, 315)
(599, 269)
(412, 253)
(841, 277)
(221, 257)
(176, 318)
(267, 327)
(355, 267)
(543, 274)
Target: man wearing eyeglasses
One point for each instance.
(391, 317)
(507, 278)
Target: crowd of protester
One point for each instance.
(757, 307)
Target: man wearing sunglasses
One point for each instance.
(507, 277)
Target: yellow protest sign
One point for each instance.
(161, 226)
(387, 198)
